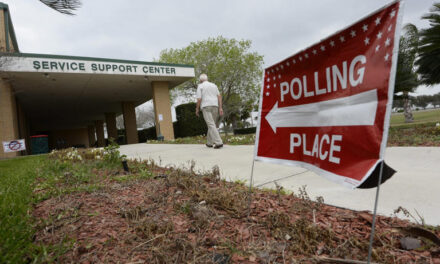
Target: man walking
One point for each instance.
(210, 100)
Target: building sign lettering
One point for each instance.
(49, 65)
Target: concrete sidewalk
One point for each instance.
(415, 186)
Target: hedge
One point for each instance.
(244, 131)
(188, 124)
(147, 134)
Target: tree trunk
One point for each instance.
(225, 128)
(407, 110)
(234, 122)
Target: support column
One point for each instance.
(130, 122)
(8, 109)
(8, 117)
(99, 125)
(23, 127)
(110, 121)
(162, 109)
(91, 133)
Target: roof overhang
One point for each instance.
(65, 91)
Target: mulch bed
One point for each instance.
(184, 217)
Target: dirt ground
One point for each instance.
(182, 217)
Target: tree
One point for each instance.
(436, 100)
(406, 76)
(63, 6)
(230, 64)
(429, 48)
(120, 122)
(145, 116)
(397, 102)
(422, 101)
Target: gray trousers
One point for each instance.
(210, 114)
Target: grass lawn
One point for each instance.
(17, 177)
(422, 116)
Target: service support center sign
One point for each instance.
(327, 107)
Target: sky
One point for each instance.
(141, 29)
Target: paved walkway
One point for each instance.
(415, 186)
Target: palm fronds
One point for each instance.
(63, 6)
(429, 48)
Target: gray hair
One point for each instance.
(203, 77)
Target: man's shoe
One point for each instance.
(209, 146)
(218, 146)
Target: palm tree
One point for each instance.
(63, 6)
(429, 48)
(406, 75)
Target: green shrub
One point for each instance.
(147, 134)
(188, 124)
(244, 131)
(150, 133)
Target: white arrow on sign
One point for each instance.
(356, 110)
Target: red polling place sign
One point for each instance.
(327, 108)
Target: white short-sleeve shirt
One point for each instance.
(208, 92)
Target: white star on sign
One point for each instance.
(387, 42)
(377, 48)
(377, 21)
(288, 64)
(272, 70)
(353, 33)
(282, 67)
(279, 76)
(268, 79)
(300, 58)
(365, 27)
(306, 55)
(274, 85)
(367, 41)
(294, 61)
(274, 78)
(393, 13)
(386, 57)
(314, 51)
(322, 47)
(277, 68)
(379, 35)
(332, 43)
(268, 86)
(267, 94)
(390, 27)
(341, 38)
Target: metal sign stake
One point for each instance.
(250, 187)
(373, 225)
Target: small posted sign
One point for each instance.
(14, 145)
